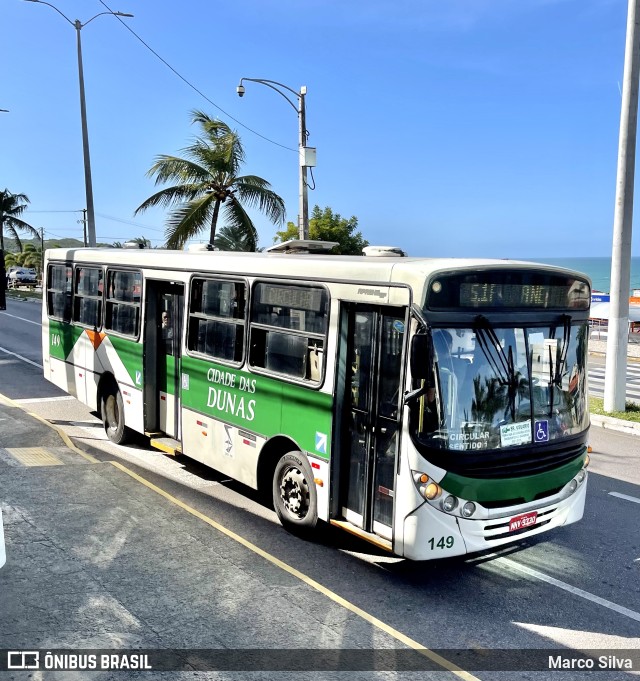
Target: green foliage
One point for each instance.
(12, 247)
(206, 183)
(12, 206)
(326, 225)
(30, 256)
(235, 239)
(631, 413)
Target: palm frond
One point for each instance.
(171, 195)
(235, 239)
(237, 218)
(16, 223)
(167, 168)
(256, 193)
(188, 220)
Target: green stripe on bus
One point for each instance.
(130, 353)
(501, 489)
(62, 338)
(263, 405)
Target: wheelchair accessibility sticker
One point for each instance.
(541, 433)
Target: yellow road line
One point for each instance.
(65, 438)
(379, 624)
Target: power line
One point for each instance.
(192, 86)
(128, 222)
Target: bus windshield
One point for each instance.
(502, 387)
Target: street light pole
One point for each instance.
(91, 220)
(306, 156)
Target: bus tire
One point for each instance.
(112, 409)
(294, 493)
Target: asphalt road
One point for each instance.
(575, 588)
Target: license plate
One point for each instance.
(519, 522)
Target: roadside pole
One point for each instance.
(618, 336)
(3, 282)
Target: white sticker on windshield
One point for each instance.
(515, 434)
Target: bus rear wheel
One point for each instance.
(294, 493)
(113, 416)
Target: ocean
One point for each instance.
(598, 269)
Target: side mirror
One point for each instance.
(421, 357)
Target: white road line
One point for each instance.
(624, 496)
(22, 319)
(517, 567)
(31, 400)
(24, 359)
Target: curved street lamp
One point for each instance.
(306, 154)
(91, 220)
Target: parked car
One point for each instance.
(21, 275)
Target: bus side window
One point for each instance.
(287, 354)
(217, 319)
(300, 315)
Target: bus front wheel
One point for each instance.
(113, 416)
(294, 492)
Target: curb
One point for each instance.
(609, 423)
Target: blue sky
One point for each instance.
(457, 128)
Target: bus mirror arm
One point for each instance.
(412, 395)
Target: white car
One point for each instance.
(21, 275)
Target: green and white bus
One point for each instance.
(433, 407)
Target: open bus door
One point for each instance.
(164, 314)
(375, 339)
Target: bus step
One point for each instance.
(378, 541)
(167, 445)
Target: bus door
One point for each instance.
(164, 323)
(375, 344)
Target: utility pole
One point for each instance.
(83, 222)
(618, 333)
(42, 257)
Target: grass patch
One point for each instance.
(631, 413)
(23, 294)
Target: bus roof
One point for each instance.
(384, 270)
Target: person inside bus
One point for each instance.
(167, 331)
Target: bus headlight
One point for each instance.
(449, 504)
(428, 488)
(581, 476)
(432, 491)
(468, 509)
(573, 486)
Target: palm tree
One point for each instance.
(11, 208)
(32, 257)
(207, 180)
(235, 239)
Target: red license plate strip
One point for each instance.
(520, 522)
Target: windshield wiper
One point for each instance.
(494, 352)
(562, 359)
(556, 372)
(502, 364)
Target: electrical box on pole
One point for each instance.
(308, 157)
